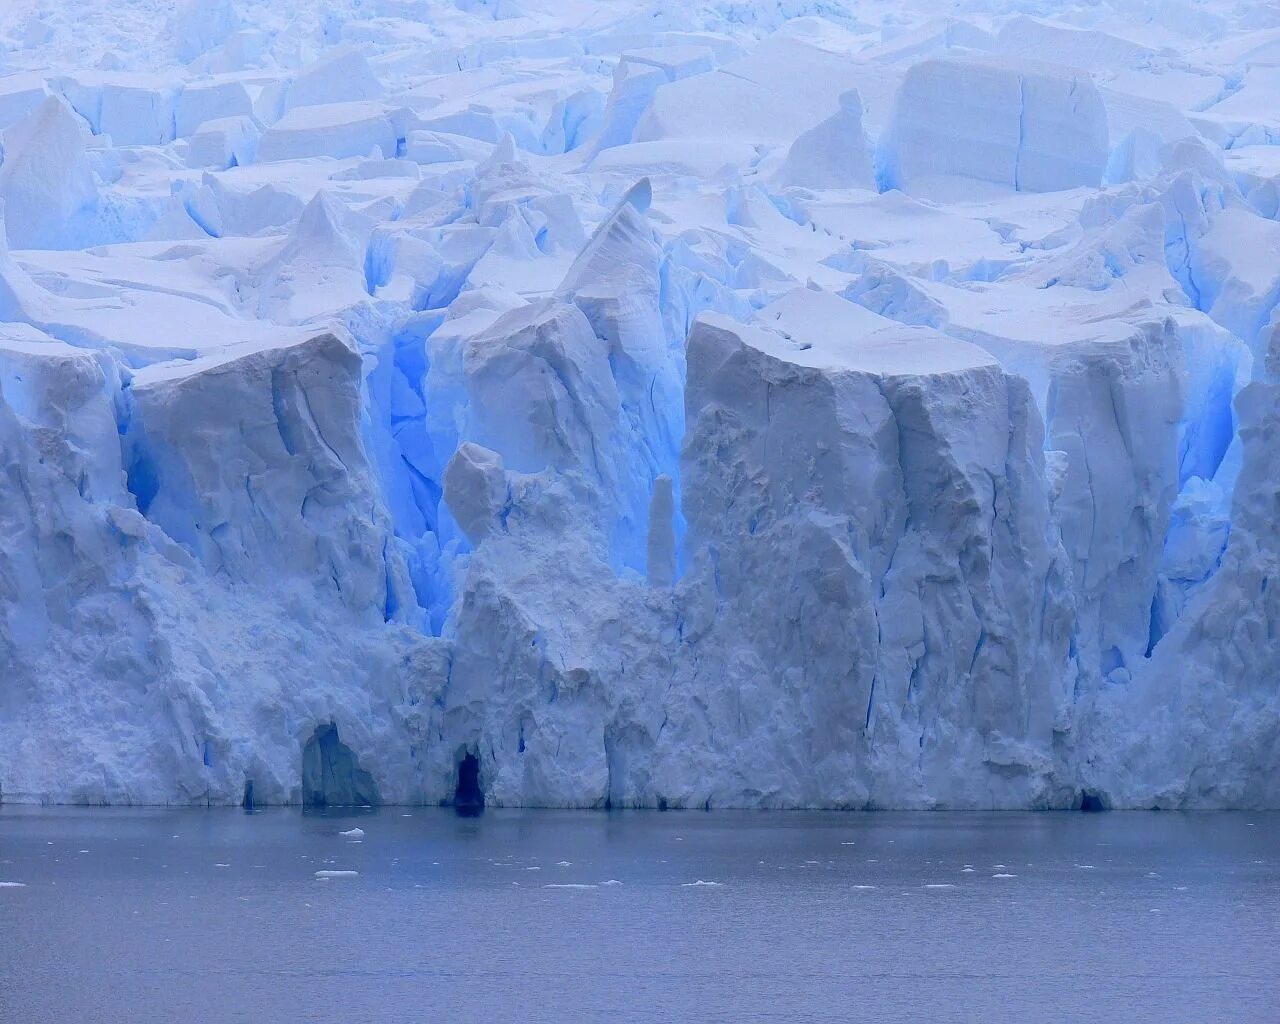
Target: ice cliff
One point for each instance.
(710, 405)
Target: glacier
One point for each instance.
(550, 403)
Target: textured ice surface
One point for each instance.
(689, 405)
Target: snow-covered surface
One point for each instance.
(855, 404)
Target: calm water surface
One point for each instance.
(214, 916)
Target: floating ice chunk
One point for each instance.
(13, 885)
(337, 874)
(1004, 875)
(939, 885)
(611, 881)
(570, 885)
(353, 833)
(700, 882)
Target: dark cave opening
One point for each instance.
(468, 797)
(331, 773)
(1092, 803)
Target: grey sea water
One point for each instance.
(217, 916)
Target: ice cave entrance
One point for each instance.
(468, 798)
(1092, 803)
(331, 774)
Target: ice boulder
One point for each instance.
(1024, 125)
(475, 486)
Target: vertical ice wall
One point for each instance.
(356, 425)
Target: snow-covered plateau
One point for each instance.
(639, 403)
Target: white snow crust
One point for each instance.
(850, 404)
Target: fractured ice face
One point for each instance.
(693, 405)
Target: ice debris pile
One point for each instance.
(678, 405)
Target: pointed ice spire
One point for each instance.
(504, 154)
(317, 239)
(46, 178)
(621, 249)
(833, 153)
(319, 270)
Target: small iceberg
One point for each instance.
(353, 833)
(337, 874)
(699, 882)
